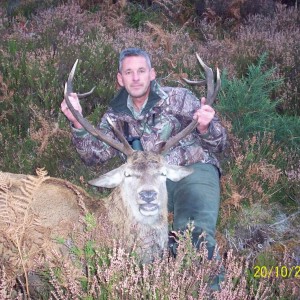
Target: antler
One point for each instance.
(209, 81)
(210, 98)
(124, 146)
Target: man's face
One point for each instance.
(135, 76)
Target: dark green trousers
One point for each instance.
(196, 198)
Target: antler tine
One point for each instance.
(175, 139)
(210, 98)
(124, 147)
(218, 86)
(70, 82)
(120, 135)
(194, 82)
(86, 94)
(209, 81)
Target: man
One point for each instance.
(149, 115)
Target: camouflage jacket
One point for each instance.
(167, 111)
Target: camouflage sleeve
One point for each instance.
(185, 104)
(91, 149)
(214, 140)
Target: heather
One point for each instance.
(256, 48)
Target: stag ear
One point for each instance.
(176, 173)
(110, 179)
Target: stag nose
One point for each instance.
(148, 196)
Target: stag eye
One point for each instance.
(127, 174)
(163, 173)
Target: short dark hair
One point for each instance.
(133, 52)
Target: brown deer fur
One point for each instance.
(36, 210)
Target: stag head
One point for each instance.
(142, 181)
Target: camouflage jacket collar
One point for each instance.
(119, 102)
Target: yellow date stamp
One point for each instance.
(276, 271)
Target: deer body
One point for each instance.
(39, 210)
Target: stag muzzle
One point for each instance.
(147, 206)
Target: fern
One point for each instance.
(15, 212)
(22, 203)
(4, 198)
(15, 206)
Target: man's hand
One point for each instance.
(64, 108)
(204, 115)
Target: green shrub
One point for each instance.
(247, 104)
